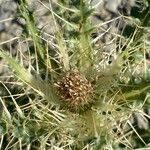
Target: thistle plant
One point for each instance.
(68, 97)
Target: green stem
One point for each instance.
(31, 28)
(85, 50)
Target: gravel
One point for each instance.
(105, 10)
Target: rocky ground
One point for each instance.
(105, 10)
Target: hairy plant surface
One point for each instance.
(70, 95)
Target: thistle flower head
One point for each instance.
(75, 90)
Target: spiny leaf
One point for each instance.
(35, 82)
(13, 64)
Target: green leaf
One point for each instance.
(34, 81)
(3, 127)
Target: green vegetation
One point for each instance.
(68, 96)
